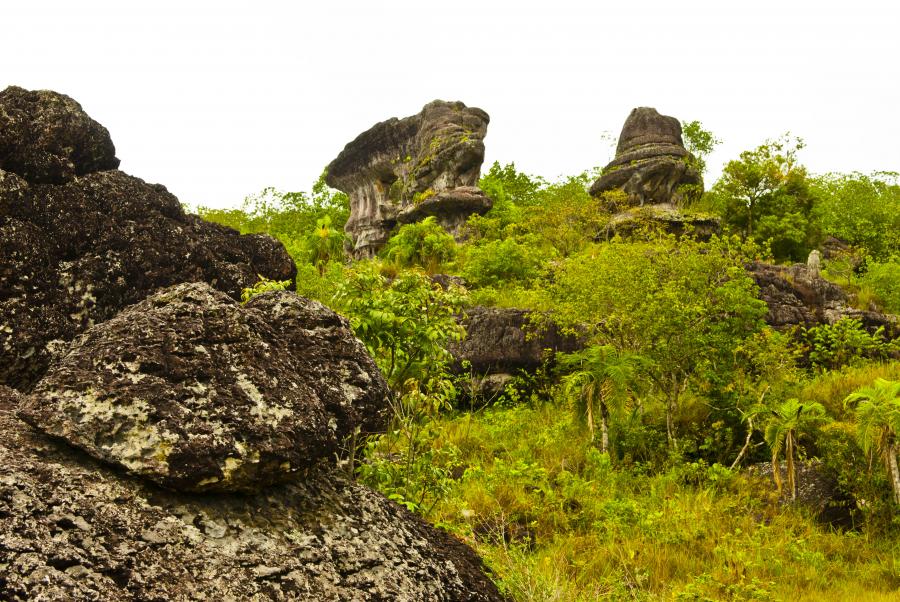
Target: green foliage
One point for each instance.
(263, 285)
(766, 196)
(878, 424)
(700, 142)
(286, 216)
(507, 262)
(325, 244)
(425, 244)
(682, 304)
(406, 322)
(783, 426)
(600, 378)
(862, 210)
(846, 342)
(884, 280)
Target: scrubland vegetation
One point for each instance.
(621, 471)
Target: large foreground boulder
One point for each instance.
(402, 170)
(71, 529)
(197, 393)
(80, 240)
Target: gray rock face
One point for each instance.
(797, 297)
(70, 529)
(80, 240)
(402, 170)
(198, 393)
(46, 137)
(651, 161)
(500, 342)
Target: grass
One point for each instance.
(555, 520)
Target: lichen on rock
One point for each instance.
(402, 170)
(196, 392)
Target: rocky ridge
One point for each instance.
(402, 170)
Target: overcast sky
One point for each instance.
(217, 100)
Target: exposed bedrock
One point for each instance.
(80, 240)
(402, 170)
(796, 296)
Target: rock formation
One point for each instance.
(402, 170)
(798, 297)
(80, 240)
(180, 446)
(500, 343)
(71, 529)
(197, 393)
(649, 171)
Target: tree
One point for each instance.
(766, 196)
(784, 424)
(425, 244)
(682, 304)
(325, 243)
(699, 142)
(599, 376)
(878, 424)
(406, 322)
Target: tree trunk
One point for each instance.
(894, 470)
(776, 474)
(604, 427)
(791, 469)
(744, 449)
(590, 417)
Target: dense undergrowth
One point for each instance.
(620, 472)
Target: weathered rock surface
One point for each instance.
(70, 529)
(650, 168)
(46, 137)
(402, 170)
(816, 489)
(501, 342)
(80, 240)
(197, 393)
(651, 162)
(796, 297)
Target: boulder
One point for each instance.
(798, 297)
(402, 170)
(76, 249)
(71, 529)
(196, 392)
(46, 137)
(502, 342)
(651, 171)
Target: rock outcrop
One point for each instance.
(71, 529)
(650, 172)
(402, 170)
(196, 392)
(501, 342)
(797, 297)
(80, 240)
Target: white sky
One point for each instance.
(217, 100)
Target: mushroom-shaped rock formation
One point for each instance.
(80, 240)
(651, 169)
(73, 530)
(196, 392)
(402, 170)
